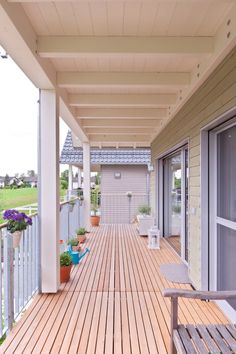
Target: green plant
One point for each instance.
(81, 231)
(144, 209)
(16, 221)
(73, 242)
(65, 259)
(176, 209)
(94, 210)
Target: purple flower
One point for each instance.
(16, 221)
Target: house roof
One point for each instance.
(105, 156)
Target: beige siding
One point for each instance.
(216, 96)
(116, 207)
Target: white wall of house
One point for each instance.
(216, 96)
(116, 181)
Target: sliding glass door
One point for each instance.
(223, 210)
(175, 201)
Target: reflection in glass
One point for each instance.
(226, 260)
(226, 173)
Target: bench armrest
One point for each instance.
(202, 295)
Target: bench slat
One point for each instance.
(218, 339)
(196, 339)
(184, 335)
(178, 343)
(212, 347)
(227, 336)
(231, 329)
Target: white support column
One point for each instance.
(86, 169)
(70, 181)
(79, 178)
(49, 190)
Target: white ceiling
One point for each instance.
(126, 67)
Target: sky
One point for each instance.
(18, 120)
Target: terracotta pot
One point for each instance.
(65, 273)
(81, 238)
(95, 219)
(76, 248)
(16, 237)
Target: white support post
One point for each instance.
(86, 169)
(79, 178)
(49, 190)
(70, 182)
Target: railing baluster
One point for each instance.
(1, 287)
(25, 268)
(8, 282)
(37, 253)
(21, 280)
(16, 282)
(29, 232)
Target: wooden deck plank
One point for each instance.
(112, 304)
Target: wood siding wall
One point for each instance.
(216, 96)
(116, 207)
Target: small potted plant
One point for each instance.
(81, 234)
(144, 210)
(145, 220)
(75, 244)
(95, 218)
(65, 267)
(17, 222)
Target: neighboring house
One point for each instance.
(32, 181)
(122, 171)
(16, 181)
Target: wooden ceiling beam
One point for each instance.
(103, 79)
(85, 46)
(122, 100)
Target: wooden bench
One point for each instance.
(191, 339)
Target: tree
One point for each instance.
(6, 180)
(65, 175)
(98, 179)
(64, 179)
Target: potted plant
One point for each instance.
(75, 244)
(95, 218)
(65, 267)
(145, 220)
(144, 209)
(81, 234)
(17, 222)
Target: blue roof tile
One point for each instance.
(104, 156)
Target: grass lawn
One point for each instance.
(12, 198)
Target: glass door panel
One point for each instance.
(186, 211)
(172, 200)
(226, 174)
(223, 210)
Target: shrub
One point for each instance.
(65, 259)
(81, 231)
(73, 242)
(144, 209)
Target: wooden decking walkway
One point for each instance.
(113, 303)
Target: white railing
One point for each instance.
(19, 271)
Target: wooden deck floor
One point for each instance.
(113, 303)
